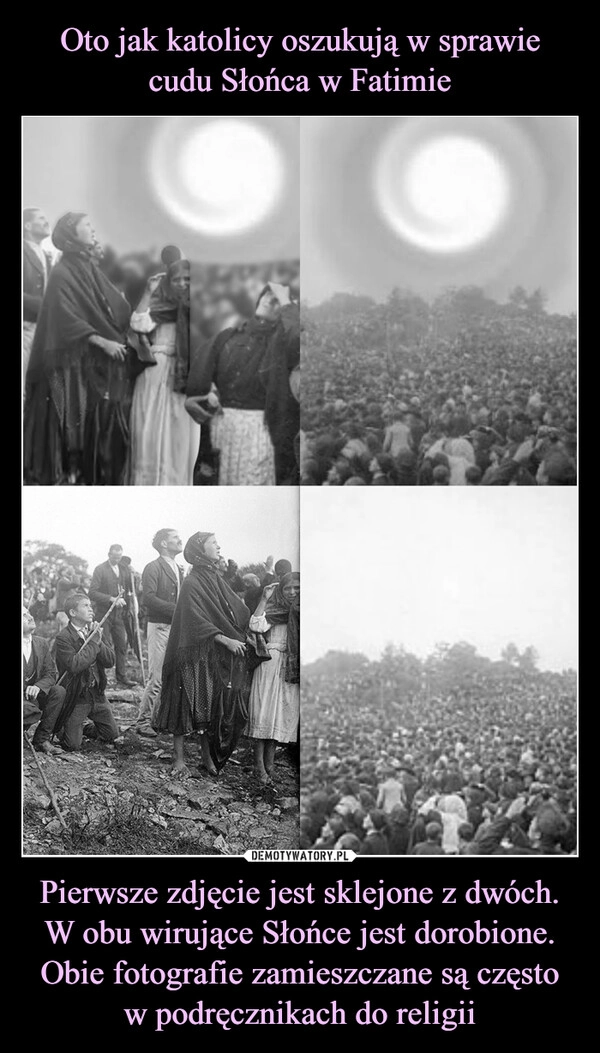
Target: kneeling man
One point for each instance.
(84, 658)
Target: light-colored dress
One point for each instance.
(274, 709)
(164, 438)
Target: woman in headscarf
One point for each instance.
(79, 379)
(206, 680)
(257, 417)
(164, 438)
(275, 695)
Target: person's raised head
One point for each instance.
(268, 306)
(74, 233)
(167, 542)
(35, 225)
(201, 546)
(78, 609)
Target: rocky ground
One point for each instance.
(123, 800)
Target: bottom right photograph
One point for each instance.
(439, 649)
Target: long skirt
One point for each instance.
(164, 438)
(92, 451)
(246, 455)
(274, 709)
(206, 696)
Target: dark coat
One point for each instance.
(34, 282)
(41, 670)
(251, 367)
(160, 591)
(105, 586)
(83, 670)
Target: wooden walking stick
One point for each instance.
(138, 635)
(94, 631)
(51, 793)
(64, 713)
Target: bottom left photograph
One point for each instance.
(161, 672)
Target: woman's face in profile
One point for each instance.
(85, 232)
(211, 548)
(268, 307)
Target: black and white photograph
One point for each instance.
(439, 674)
(211, 802)
(439, 343)
(161, 671)
(161, 319)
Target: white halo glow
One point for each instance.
(449, 194)
(219, 176)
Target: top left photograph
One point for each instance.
(161, 293)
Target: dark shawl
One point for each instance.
(167, 306)
(88, 392)
(80, 301)
(206, 608)
(279, 611)
(64, 235)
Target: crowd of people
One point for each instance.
(464, 391)
(45, 585)
(132, 377)
(488, 768)
(222, 651)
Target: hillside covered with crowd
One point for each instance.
(453, 755)
(459, 391)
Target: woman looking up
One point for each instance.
(206, 683)
(79, 379)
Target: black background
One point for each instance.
(55, 82)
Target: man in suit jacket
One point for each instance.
(36, 271)
(107, 581)
(161, 582)
(84, 659)
(42, 698)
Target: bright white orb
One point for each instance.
(219, 176)
(448, 195)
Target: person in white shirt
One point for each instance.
(161, 584)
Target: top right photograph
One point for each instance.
(439, 298)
